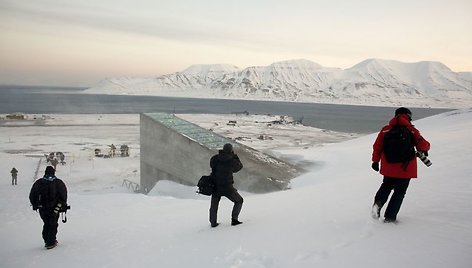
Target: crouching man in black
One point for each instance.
(223, 165)
(49, 196)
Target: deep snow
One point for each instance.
(323, 221)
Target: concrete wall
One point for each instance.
(167, 154)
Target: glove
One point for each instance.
(375, 166)
(425, 153)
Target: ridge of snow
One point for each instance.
(211, 70)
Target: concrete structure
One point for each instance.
(177, 150)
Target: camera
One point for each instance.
(60, 208)
(423, 158)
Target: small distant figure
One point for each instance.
(61, 157)
(54, 162)
(124, 149)
(395, 148)
(14, 176)
(223, 165)
(112, 148)
(49, 195)
(50, 157)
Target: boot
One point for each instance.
(375, 211)
(389, 220)
(52, 245)
(235, 222)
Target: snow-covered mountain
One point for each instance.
(397, 82)
(190, 79)
(295, 80)
(370, 82)
(195, 76)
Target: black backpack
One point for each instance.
(45, 195)
(205, 185)
(399, 145)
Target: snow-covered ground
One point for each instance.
(323, 221)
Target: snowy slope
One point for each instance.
(371, 82)
(322, 222)
(194, 77)
(294, 80)
(397, 82)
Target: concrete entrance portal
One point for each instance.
(177, 150)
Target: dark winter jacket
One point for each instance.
(55, 192)
(223, 165)
(398, 170)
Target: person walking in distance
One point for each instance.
(14, 176)
(394, 148)
(54, 162)
(49, 195)
(223, 165)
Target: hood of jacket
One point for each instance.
(401, 119)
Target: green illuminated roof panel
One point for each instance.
(192, 131)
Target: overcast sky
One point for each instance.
(79, 42)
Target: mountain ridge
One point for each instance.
(369, 82)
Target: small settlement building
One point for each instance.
(16, 116)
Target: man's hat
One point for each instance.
(403, 110)
(50, 171)
(228, 148)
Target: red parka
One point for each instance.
(398, 170)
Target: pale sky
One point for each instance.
(80, 42)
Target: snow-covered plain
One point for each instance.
(323, 221)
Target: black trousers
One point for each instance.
(399, 187)
(234, 196)
(50, 220)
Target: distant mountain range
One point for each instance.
(370, 82)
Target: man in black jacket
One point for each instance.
(223, 165)
(14, 176)
(49, 196)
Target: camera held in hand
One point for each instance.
(61, 208)
(422, 156)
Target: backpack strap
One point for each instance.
(405, 164)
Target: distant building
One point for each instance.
(177, 150)
(16, 116)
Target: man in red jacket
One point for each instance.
(396, 175)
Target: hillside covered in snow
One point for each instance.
(323, 221)
(371, 82)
